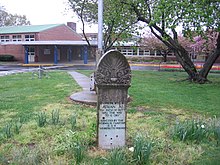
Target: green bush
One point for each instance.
(6, 57)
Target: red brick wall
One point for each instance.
(16, 50)
(45, 58)
(61, 32)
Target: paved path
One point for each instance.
(85, 96)
(5, 73)
(81, 79)
(21, 70)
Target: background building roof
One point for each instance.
(26, 29)
(93, 43)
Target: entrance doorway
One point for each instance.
(31, 54)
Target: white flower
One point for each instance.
(202, 126)
(131, 149)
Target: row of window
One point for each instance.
(127, 51)
(15, 38)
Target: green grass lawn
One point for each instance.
(159, 90)
(158, 100)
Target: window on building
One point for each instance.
(158, 53)
(29, 37)
(153, 53)
(16, 38)
(130, 52)
(94, 37)
(170, 54)
(5, 39)
(127, 51)
(146, 53)
(141, 52)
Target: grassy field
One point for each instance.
(39, 124)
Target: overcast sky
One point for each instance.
(40, 12)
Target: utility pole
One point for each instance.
(100, 26)
(100, 42)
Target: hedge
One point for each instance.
(6, 57)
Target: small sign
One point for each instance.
(46, 51)
(111, 125)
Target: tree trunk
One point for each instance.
(187, 64)
(164, 54)
(211, 60)
(181, 54)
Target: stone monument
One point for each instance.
(112, 79)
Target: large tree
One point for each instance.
(116, 24)
(7, 19)
(194, 16)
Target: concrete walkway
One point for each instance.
(86, 96)
(22, 70)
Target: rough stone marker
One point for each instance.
(112, 78)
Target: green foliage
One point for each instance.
(215, 128)
(73, 142)
(195, 17)
(210, 157)
(2, 137)
(73, 122)
(6, 57)
(41, 119)
(191, 15)
(78, 150)
(3, 159)
(217, 134)
(55, 117)
(7, 130)
(86, 9)
(197, 130)
(119, 22)
(17, 127)
(25, 155)
(142, 150)
(191, 130)
(116, 156)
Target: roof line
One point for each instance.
(26, 28)
(55, 42)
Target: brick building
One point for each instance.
(53, 43)
(59, 43)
